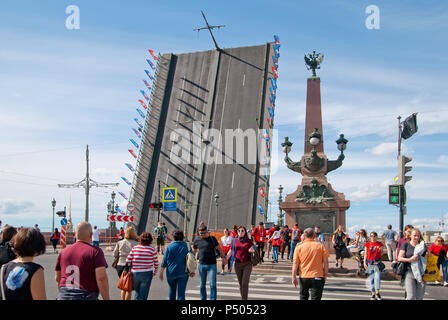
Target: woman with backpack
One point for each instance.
(55, 236)
(340, 246)
(286, 241)
(6, 252)
(373, 264)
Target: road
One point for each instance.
(262, 286)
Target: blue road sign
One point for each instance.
(64, 222)
(170, 206)
(169, 194)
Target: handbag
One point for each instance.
(381, 266)
(1, 282)
(115, 262)
(399, 268)
(191, 263)
(254, 257)
(125, 282)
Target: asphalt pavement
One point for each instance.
(342, 284)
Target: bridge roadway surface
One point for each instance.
(263, 286)
(237, 103)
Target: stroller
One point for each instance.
(360, 257)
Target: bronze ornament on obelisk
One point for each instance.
(315, 202)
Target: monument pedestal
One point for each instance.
(328, 215)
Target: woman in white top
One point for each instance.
(226, 243)
(121, 251)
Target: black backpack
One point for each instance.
(285, 235)
(5, 250)
(160, 233)
(296, 234)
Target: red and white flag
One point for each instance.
(153, 55)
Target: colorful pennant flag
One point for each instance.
(134, 143)
(150, 64)
(141, 113)
(130, 167)
(137, 133)
(126, 180)
(139, 123)
(273, 83)
(262, 192)
(260, 208)
(149, 75)
(271, 112)
(153, 55)
(143, 104)
(144, 95)
(147, 84)
(277, 40)
(123, 195)
(132, 152)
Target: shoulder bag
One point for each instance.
(254, 257)
(116, 258)
(191, 263)
(125, 282)
(1, 282)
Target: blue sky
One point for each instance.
(61, 89)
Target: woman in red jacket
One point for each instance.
(440, 249)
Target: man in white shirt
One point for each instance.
(96, 237)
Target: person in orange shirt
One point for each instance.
(311, 258)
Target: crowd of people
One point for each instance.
(80, 270)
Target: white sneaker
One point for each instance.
(445, 284)
(222, 273)
(437, 282)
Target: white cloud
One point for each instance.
(385, 148)
(15, 207)
(443, 159)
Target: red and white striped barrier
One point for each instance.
(63, 236)
(120, 218)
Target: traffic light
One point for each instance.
(403, 169)
(156, 205)
(61, 214)
(394, 194)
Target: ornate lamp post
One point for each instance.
(53, 204)
(216, 218)
(280, 200)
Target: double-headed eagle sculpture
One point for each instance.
(313, 61)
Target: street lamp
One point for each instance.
(342, 143)
(314, 138)
(216, 218)
(287, 146)
(53, 204)
(280, 200)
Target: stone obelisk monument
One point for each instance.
(315, 202)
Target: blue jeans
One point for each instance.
(142, 283)
(76, 294)
(374, 277)
(95, 243)
(275, 253)
(211, 270)
(178, 285)
(291, 252)
(444, 265)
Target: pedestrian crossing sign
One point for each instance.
(169, 194)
